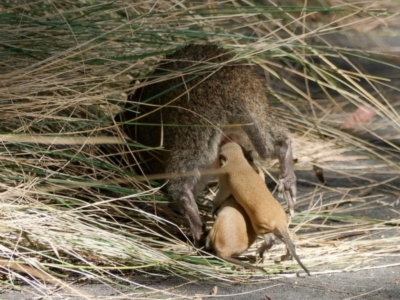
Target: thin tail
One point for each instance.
(288, 241)
(243, 264)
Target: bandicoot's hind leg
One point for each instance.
(287, 179)
(269, 136)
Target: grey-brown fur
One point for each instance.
(218, 93)
(237, 178)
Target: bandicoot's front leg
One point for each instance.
(181, 190)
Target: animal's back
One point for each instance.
(205, 91)
(250, 191)
(237, 232)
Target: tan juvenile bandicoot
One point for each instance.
(237, 178)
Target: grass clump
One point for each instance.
(69, 211)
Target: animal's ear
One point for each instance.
(222, 160)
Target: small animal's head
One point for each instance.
(230, 152)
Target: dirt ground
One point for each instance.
(380, 283)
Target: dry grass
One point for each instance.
(69, 213)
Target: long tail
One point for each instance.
(288, 241)
(243, 264)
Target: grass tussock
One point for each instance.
(70, 212)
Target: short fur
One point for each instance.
(232, 232)
(190, 108)
(237, 178)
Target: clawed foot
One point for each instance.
(199, 236)
(287, 189)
